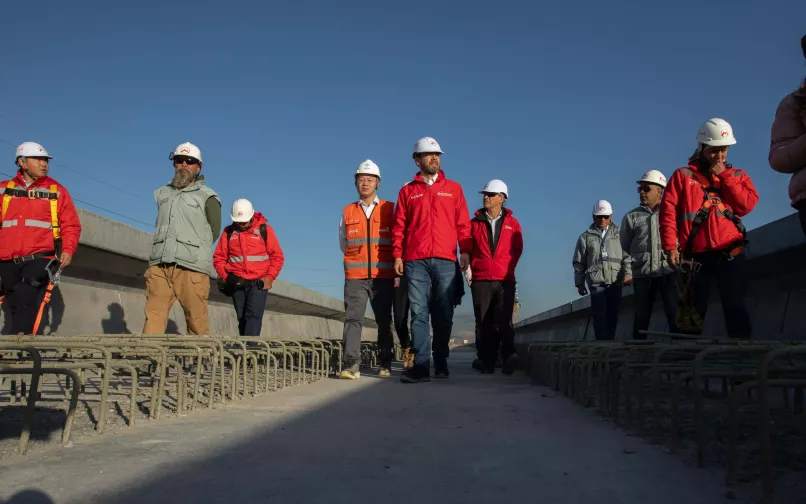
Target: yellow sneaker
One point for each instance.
(384, 372)
(350, 373)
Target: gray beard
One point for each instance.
(182, 178)
(430, 171)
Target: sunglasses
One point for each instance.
(644, 188)
(605, 217)
(490, 194)
(187, 160)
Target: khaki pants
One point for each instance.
(167, 283)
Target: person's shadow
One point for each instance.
(29, 497)
(116, 323)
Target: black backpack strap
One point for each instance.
(264, 234)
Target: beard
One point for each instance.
(431, 169)
(182, 178)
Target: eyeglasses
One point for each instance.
(187, 160)
(604, 217)
(644, 188)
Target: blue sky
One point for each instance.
(567, 103)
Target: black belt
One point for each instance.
(31, 257)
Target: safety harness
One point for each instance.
(688, 319)
(36, 193)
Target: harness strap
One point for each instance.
(712, 199)
(17, 192)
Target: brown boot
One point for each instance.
(408, 358)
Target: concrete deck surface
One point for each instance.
(468, 439)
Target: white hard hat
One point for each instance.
(716, 133)
(187, 149)
(653, 177)
(496, 186)
(242, 210)
(31, 149)
(602, 207)
(426, 144)
(368, 168)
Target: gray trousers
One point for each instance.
(381, 295)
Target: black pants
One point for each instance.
(401, 312)
(802, 214)
(645, 290)
(493, 303)
(605, 305)
(249, 306)
(731, 282)
(24, 299)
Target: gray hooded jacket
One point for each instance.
(590, 264)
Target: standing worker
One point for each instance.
(365, 239)
(248, 259)
(701, 212)
(430, 219)
(600, 262)
(188, 220)
(640, 238)
(39, 234)
(497, 247)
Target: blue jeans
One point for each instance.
(432, 285)
(249, 305)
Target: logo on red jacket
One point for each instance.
(508, 227)
(449, 195)
(414, 196)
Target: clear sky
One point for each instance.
(567, 102)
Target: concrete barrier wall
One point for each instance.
(103, 291)
(776, 296)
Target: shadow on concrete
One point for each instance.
(116, 323)
(29, 497)
(46, 422)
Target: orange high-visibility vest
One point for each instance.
(369, 241)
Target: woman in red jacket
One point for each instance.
(699, 220)
(248, 259)
(497, 247)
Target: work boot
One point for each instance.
(487, 369)
(477, 364)
(350, 372)
(416, 374)
(510, 364)
(384, 372)
(408, 358)
(441, 368)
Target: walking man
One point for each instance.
(39, 234)
(497, 248)
(431, 218)
(640, 238)
(600, 262)
(188, 220)
(365, 239)
(248, 259)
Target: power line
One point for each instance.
(124, 191)
(98, 207)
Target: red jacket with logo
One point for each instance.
(246, 255)
(27, 222)
(498, 266)
(430, 220)
(684, 196)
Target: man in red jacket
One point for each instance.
(248, 259)
(430, 219)
(700, 211)
(497, 247)
(40, 231)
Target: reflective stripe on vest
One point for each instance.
(239, 259)
(35, 193)
(369, 241)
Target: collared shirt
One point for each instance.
(429, 181)
(496, 231)
(367, 211)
